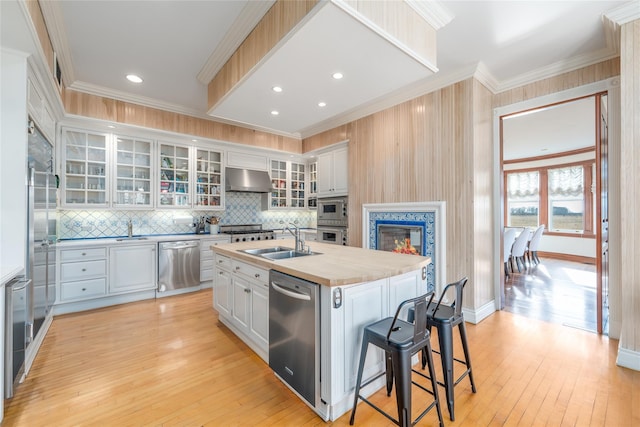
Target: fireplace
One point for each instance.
(409, 228)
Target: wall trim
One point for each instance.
(567, 257)
(475, 316)
(628, 359)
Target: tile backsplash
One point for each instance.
(241, 208)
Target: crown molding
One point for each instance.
(433, 12)
(484, 76)
(54, 21)
(625, 13)
(250, 16)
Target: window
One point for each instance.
(523, 199)
(559, 196)
(566, 199)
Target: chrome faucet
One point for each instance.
(295, 233)
(130, 228)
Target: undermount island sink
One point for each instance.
(277, 252)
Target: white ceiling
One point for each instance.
(556, 129)
(177, 46)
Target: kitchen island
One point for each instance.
(355, 286)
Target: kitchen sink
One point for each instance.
(286, 254)
(125, 239)
(265, 250)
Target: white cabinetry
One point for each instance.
(40, 111)
(206, 259)
(85, 178)
(342, 328)
(132, 173)
(132, 268)
(288, 185)
(333, 173)
(82, 273)
(241, 296)
(209, 180)
(174, 176)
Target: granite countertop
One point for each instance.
(334, 266)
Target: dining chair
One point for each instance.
(520, 248)
(534, 243)
(509, 238)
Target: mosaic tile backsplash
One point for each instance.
(241, 208)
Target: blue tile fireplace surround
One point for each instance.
(425, 219)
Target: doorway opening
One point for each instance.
(553, 169)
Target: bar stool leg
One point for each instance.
(445, 337)
(389, 372)
(402, 375)
(363, 358)
(465, 348)
(426, 354)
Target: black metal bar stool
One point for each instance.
(445, 318)
(400, 340)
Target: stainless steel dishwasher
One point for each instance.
(178, 265)
(294, 333)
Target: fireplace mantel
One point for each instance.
(430, 214)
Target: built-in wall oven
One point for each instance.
(333, 220)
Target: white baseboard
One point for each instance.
(476, 316)
(628, 359)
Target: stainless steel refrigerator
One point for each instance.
(29, 301)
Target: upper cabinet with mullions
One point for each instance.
(85, 169)
(132, 168)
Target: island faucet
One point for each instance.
(295, 233)
(130, 228)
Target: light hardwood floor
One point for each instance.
(169, 362)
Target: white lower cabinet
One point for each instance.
(342, 327)
(241, 297)
(132, 268)
(82, 273)
(206, 259)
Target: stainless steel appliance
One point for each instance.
(334, 235)
(333, 211)
(31, 302)
(294, 333)
(246, 232)
(15, 332)
(333, 220)
(246, 180)
(178, 265)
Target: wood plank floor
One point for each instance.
(169, 362)
(555, 291)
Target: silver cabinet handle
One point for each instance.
(84, 253)
(84, 289)
(257, 275)
(237, 268)
(247, 290)
(84, 269)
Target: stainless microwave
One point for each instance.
(333, 211)
(336, 236)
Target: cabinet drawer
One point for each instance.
(82, 270)
(252, 272)
(206, 270)
(83, 290)
(82, 254)
(223, 262)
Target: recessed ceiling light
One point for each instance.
(111, 127)
(133, 78)
(337, 76)
(277, 89)
(194, 140)
(274, 113)
(322, 104)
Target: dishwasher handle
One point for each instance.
(293, 294)
(179, 245)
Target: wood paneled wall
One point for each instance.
(276, 23)
(434, 147)
(593, 73)
(630, 185)
(33, 7)
(93, 106)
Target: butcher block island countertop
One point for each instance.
(335, 265)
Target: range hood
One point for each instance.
(247, 180)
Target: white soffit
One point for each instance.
(331, 40)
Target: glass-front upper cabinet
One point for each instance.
(209, 183)
(279, 184)
(174, 176)
(297, 185)
(85, 168)
(132, 172)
